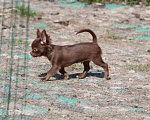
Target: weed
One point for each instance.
(20, 41)
(128, 2)
(142, 68)
(24, 11)
(93, 1)
(112, 36)
(75, 67)
(146, 2)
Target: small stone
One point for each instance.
(39, 18)
(65, 23)
(135, 106)
(99, 5)
(139, 87)
(145, 84)
(22, 75)
(57, 13)
(75, 96)
(23, 26)
(63, 116)
(131, 71)
(123, 60)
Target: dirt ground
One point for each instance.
(124, 36)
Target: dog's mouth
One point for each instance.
(34, 54)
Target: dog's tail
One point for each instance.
(91, 32)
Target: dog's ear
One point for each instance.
(44, 38)
(38, 33)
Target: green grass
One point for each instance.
(20, 41)
(128, 2)
(23, 11)
(112, 36)
(147, 2)
(142, 68)
(76, 67)
(93, 1)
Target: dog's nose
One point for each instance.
(31, 52)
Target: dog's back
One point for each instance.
(69, 54)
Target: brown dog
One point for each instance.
(63, 56)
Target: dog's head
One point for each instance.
(41, 44)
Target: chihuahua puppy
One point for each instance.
(63, 56)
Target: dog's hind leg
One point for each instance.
(99, 61)
(86, 69)
(62, 71)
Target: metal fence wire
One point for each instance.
(13, 57)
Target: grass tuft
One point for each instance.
(142, 68)
(24, 11)
(112, 36)
(127, 2)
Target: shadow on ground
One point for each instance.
(60, 77)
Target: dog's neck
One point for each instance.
(49, 51)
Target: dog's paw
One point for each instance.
(44, 79)
(81, 76)
(106, 77)
(66, 78)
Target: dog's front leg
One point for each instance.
(51, 72)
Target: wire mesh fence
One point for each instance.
(13, 56)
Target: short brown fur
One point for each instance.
(63, 56)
